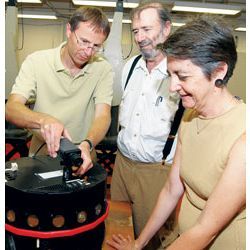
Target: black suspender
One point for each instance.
(175, 124)
(173, 131)
(132, 69)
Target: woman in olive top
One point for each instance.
(208, 172)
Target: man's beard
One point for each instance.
(149, 53)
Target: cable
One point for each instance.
(39, 149)
(131, 47)
(52, 7)
(22, 25)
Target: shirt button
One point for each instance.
(135, 135)
(137, 114)
(142, 94)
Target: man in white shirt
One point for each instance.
(146, 113)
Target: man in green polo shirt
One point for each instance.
(72, 87)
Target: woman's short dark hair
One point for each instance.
(206, 41)
(161, 9)
(94, 15)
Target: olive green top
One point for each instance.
(71, 99)
(206, 144)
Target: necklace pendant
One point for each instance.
(201, 127)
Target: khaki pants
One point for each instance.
(140, 184)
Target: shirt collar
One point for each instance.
(161, 67)
(58, 62)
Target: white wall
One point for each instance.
(11, 67)
(32, 35)
(237, 84)
(38, 35)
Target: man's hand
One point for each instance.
(51, 131)
(120, 242)
(87, 161)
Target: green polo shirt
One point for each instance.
(70, 99)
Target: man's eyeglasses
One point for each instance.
(86, 44)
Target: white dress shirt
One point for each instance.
(147, 110)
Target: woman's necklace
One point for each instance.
(201, 124)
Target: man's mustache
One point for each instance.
(144, 43)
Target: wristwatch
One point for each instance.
(91, 146)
